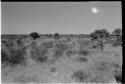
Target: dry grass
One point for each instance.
(79, 76)
(38, 54)
(61, 46)
(103, 71)
(48, 44)
(26, 79)
(69, 53)
(13, 55)
(58, 53)
(89, 67)
(83, 52)
(83, 59)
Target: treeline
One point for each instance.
(98, 35)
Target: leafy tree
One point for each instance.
(99, 35)
(118, 36)
(117, 32)
(34, 35)
(56, 36)
(94, 36)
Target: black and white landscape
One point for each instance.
(61, 42)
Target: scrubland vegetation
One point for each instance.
(56, 58)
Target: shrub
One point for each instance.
(34, 35)
(102, 66)
(48, 45)
(33, 44)
(100, 72)
(58, 53)
(19, 42)
(79, 76)
(38, 54)
(43, 59)
(83, 52)
(5, 56)
(71, 52)
(117, 72)
(9, 44)
(13, 56)
(3, 41)
(53, 69)
(118, 76)
(83, 59)
(17, 56)
(61, 46)
(115, 44)
(94, 46)
(83, 43)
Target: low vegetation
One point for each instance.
(83, 52)
(34, 35)
(58, 53)
(39, 54)
(48, 44)
(61, 46)
(12, 55)
(80, 56)
(70, 53)
(80, 76)
(83, 59)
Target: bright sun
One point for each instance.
(94, 10)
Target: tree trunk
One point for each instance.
(101, 45)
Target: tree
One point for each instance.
(34, 35)
(99, 35)
(56, 36)
(117, 32)
(118, 36)
(94, 36)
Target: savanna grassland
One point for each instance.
(67, 59)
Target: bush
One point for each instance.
(94, 46)
(5, 56)
(38, 54)
(61, 46)
(34, 35)
(115, 44)
(117, 72)
(19, 42)
(48, 45)
(17, 56)
(83, 52)
(83, 43)
(9, 44)
(118, 77)
(58, 53)
(53, 69)
(79, 76)
(33, 44)
(83, 59)
(13, 56)
(43, 59)
(71, 52)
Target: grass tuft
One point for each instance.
(83, 52)
(79, 76)
(39, 54)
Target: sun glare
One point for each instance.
(94, 10)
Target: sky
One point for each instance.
(60, 17)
